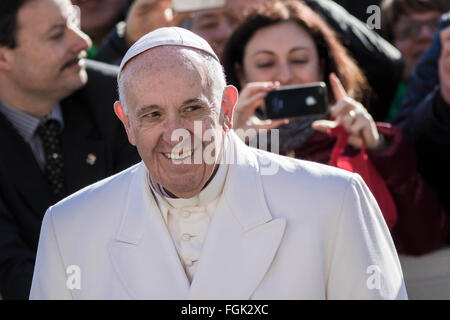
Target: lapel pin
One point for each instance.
(91, 158)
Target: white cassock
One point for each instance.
(281, 229)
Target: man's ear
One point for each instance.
(230, 97)
(6, 58)
(121, 113)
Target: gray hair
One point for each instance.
(212, 72)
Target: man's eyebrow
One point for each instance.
(193, 101)
(144, 110)
(206, 16)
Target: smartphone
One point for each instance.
(297, 101)
(194, 5)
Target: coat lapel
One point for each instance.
(241, 244)
(83, 146)
(243, 238)
(143, 253)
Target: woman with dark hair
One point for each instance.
(286, 43)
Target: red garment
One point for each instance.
(362, 164)
(422, 225)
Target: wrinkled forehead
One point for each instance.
(38, 20)
(164, 68)
(65, 7)
(31, 13)
(154, 60)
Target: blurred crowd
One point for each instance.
(388, 90)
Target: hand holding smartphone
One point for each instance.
(297, 101)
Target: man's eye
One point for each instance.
(57, 36)
(191, 108)
(409, 31)
(208, 26)
(152, 115)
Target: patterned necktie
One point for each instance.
(50, 134)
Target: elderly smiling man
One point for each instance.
(221, 226)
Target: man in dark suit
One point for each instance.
(58, 131)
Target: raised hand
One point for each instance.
(352, 115)
(147, 15)
(251, 97)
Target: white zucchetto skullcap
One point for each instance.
(168, 36)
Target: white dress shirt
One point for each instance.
(26, 125)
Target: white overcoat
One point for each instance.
(283, 229)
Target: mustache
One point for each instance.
(70, 62)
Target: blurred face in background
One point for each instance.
(98, 17)
(49, 57)
(283, 52)
(412, 35)
(217, 25)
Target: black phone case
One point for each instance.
(297, 101)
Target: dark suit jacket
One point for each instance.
(91, 129)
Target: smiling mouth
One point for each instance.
(179, 156)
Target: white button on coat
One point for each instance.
(186, 214)
(188, 262)
(186, 237)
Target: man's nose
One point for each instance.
(174, 132)
(426, 32)
(79, 40)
